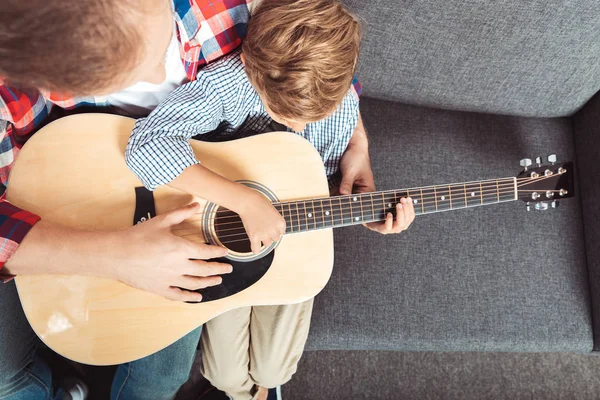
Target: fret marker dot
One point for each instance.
(309, 215)
(472, 194)
(356, 218)
(415, 201)
(326, 212)
(355, 198)
(443, 198)
(390, 205)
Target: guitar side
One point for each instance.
(73, 173)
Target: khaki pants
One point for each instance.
(254, 346)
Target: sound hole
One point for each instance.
(230, 231)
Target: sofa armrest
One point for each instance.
(586, 131)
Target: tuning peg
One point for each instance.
(538, 161)
(528, 206)
(552, 158)
(526, 162)
(542, 206)
(554, 203)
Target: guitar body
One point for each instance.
(73, 173)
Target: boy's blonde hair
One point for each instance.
(300, 56)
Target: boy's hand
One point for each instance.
(405, 215)
(262, 221)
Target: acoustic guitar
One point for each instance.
(73, 172)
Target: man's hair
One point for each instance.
(68, 46)
(300, 56)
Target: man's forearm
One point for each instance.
(53, 249)
(359, 136)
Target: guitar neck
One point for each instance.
(340, 211)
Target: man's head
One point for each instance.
(84, 47)
(300, 56)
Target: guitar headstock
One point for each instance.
(542, 186)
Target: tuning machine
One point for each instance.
(538, 161)
(541, 206)
(552, 159)
(525, 163)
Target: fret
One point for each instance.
(291, 218)
(497, 190)
(322, 211)
(473, 195)
(362, 214)
(459, 196)
(342, 213)
(450, 195)
(314, 215)
(331, 213)
(422, 205)
(428, 205)
(390, 206)
(281, 210)
(443, 198)
(298, 217)
(466, 198)
(373, 215)
(302, 216)
(435, 198)
(481, 192)
(507, 191)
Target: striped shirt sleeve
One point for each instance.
(158, 150)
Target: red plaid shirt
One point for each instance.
(206, 29)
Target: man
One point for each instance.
(128, 54)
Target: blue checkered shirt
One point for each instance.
(221, 105)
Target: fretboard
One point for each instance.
(339, 211)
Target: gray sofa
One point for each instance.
(459, 90)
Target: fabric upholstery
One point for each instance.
(489, 278)
(529, 58)
(586, 125)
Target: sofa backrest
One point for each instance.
(520, 57)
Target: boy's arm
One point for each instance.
(159, 153)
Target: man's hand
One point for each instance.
(162, 263)
(147, 256)
(357, 177)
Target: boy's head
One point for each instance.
(84, 47)
(300, 56)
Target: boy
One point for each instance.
(295, 69)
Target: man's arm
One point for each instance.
(147, 256)
(357, 177)
(32, 247)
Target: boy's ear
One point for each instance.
(243, 58)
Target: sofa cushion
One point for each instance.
(487, 278)
(586, 125)
(530, 58)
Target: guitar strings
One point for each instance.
(319, 214)
(346, 199)
(507, 182)
(457, 185)
(426, 200)
(315, 222)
